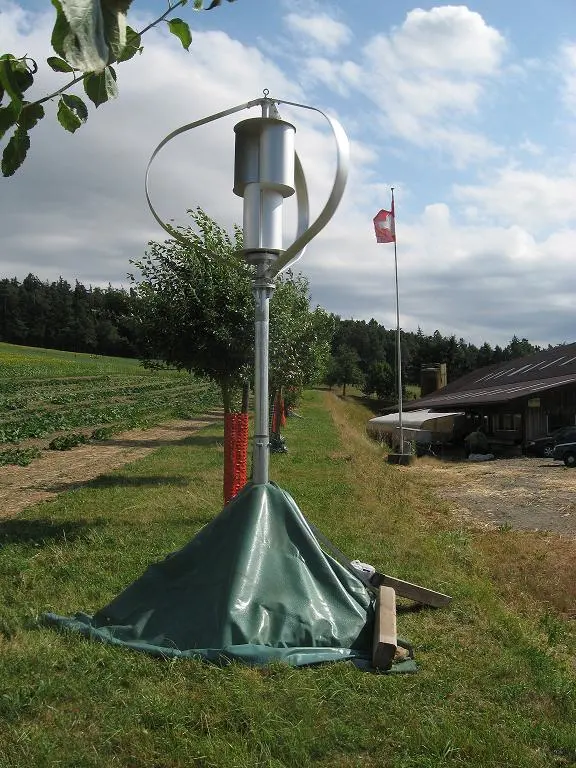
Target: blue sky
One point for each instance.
(468, 110)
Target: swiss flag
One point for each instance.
(384, 226)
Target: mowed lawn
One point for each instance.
(496, 680)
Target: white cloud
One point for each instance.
(530, 147)
(319, 31)
(530, 198)
(425, 78)
(447, 38)
(338, 76)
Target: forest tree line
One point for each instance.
(103, 321)
(364, 355)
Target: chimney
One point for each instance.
(432, 377)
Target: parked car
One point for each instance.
(544, 446)
(566, 452)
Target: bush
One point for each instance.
(66, 442)
(20, 456)
(102, 433)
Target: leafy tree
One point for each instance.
(195, 311)
(89, 36)
(380, 380)
(300, 338)
(519, 348)
(57, 316)
(344, 369)
(300, 341)
(194, 305)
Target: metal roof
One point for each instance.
(508, 381)
(415, 419)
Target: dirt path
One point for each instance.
(57, 471)
(523, 493)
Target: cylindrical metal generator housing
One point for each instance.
(264, 154)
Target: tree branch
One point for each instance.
(79, 78)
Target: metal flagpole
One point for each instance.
(398, 345)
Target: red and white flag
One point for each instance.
(385, 225)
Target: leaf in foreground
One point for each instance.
(15, 151)
(182, 32)
(133, 45)
(101, 87)
(72, 112)
(58, 65)
(30, 115)
(7, 118)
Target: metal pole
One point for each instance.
(262, 289)
(398, 345)
(263, 214)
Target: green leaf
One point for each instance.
(101, 87)
(61, 29)
(58, 65)
(72, 112)
(133, 42)
(22, 75)
(76, 103)
(114, 19)
(198, 5)
(215, 4)
(9, 81)
(182, 32)
(8, 118)
(29, 116)
(15, 152)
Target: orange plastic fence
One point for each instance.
(235, 453)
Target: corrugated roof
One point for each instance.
(508, 381)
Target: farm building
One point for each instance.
(516, 401)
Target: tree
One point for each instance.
(195, 311)
(344, 369)
(89, 36)
(194, 305)
(381, 380)
(519, 348)
(300, 338)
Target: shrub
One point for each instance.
(66, 442)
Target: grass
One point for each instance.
(36, 362)
(496, 680)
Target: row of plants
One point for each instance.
(24, 456)
(184, 402)
(90, 393)
(155, 398)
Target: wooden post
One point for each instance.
(385, 642)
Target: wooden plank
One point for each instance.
(385, 642)
(412, 591)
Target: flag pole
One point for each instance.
(398, 345)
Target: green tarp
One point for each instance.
(252, 585)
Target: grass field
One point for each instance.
(496, 685)
(45, 392)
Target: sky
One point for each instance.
(468, 111)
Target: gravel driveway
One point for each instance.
(524, 493)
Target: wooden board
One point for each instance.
(385, 642)
(412, 591)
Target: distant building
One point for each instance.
(516, 401)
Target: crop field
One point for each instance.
(46, 392)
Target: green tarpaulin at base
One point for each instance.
(252, 586)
